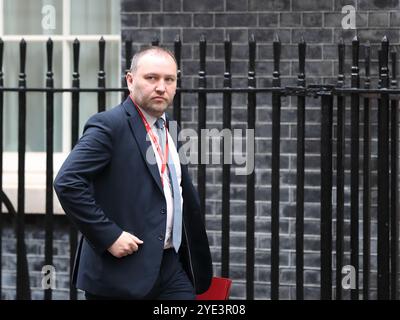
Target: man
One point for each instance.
(143, 235)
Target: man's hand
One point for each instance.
(126, 244)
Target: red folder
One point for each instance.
(219, 290)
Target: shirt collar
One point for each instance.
(151, 119)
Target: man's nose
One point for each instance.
(160, 86)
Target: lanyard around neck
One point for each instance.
(163, 157)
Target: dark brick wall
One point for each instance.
(34, 240)
(319, 23)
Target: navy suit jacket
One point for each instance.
(106, 186)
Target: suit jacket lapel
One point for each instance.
(184, 169)
(139, 133)
(174, 133)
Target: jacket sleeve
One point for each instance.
(73, 184)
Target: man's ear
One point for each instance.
(129, 79)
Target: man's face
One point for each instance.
(153, 84)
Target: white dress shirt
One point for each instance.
(167, 185)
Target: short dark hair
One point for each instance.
(144, 50)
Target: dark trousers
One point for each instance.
(172, 282)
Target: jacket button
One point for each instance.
(163, 211)
(161, 238)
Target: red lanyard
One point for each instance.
(150, 132)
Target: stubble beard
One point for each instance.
(156, 109)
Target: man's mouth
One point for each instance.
(159, 99)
